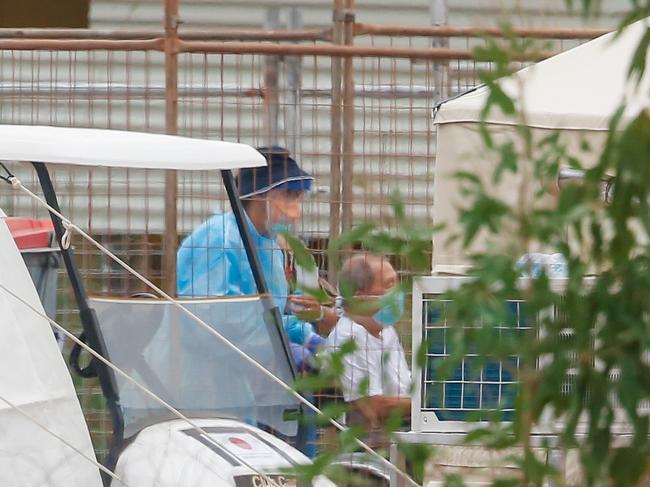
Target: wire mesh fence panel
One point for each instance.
(473, 390)
(121, 208)
(386, 145)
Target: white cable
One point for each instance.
(71, 226)
(143, 388)
(61, 439)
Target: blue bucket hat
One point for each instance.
(281, 171)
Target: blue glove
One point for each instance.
(314, 342)
(298, 331)
(301, 357)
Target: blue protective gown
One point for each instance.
(212, 261)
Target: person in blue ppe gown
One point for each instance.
(212, 260)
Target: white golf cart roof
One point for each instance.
(119, 148)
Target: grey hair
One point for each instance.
(357, 272)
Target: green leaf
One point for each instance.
(333, 410)
(364, 387)
(638, 64)
(312, 383)
(303, 257)
(468, 177)
(398, 205)
(417, 456)
(485, 213)
(499, 98)
(507, 163)
(454, 480)
(351, 237)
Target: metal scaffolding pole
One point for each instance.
(335, 138)
(440, 17)
(171, 127)
(271, 95)
(294, 82)
(348, 120)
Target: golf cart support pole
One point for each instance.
(271, 311)
(88, 322)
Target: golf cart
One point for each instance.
(192, 386)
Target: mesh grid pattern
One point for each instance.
(473, 390)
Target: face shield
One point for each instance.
(284, 208)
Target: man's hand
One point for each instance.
(305, 307)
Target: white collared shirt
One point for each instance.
(379, 359)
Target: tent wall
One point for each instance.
(461, 148)
(35, 379)
(576, 92)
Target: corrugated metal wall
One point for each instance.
(251, 13)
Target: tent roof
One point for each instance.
(118, 148)
(578, 89)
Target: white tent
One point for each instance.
(39, 410)
(577, 92)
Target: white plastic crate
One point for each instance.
(471, 391)
(471, 394)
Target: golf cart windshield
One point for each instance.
(178, 359)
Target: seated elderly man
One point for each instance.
(378, 361)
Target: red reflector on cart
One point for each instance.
(240, 443)
(30, 233)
